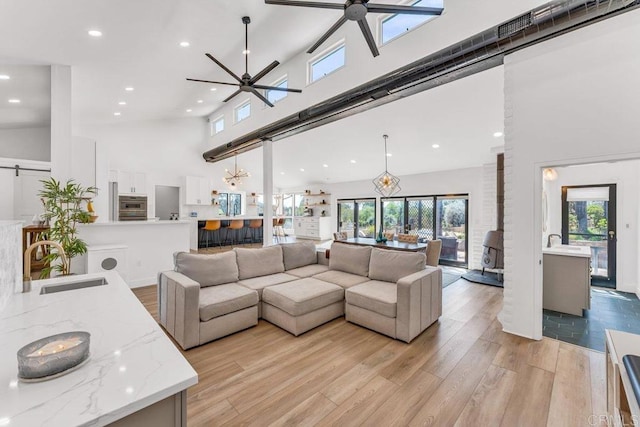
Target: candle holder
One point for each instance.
(53, 356)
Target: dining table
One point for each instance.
(389, 244)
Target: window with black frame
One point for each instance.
(230, 204)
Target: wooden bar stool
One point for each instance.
(253, 231)
(210, 227)
(234, 227)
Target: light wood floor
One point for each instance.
(462, 371)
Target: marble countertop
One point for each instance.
(134, 223)
(568, 250)
(133, 364)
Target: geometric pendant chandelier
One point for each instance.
(235, 178)
(386, 184)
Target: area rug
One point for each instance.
(488, 278)
(449, 278)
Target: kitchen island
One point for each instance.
(195, 238)
(134, 375)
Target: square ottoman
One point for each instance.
(302, 305)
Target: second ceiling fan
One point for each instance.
(246, 83)
(356, 10)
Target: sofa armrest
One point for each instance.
(321, 257)
(178, 307)
(419, 302)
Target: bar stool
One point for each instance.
(209, 227)
(234, 227)
(253, 230)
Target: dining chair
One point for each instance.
(408, 238)
(340, 235)
(389, 235)
(433, 252)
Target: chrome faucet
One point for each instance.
(26, 279)
(549, 239)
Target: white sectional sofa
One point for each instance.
(296, 288)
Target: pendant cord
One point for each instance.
(246, 48)
(386, 167)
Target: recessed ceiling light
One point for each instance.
(189, 110)
(129, 89)
(117, 113)
(301, 169)
(122, 103)
(185, 44)
(436, 145)
(213, 89)
(281, 173)
(389, 154)
(353, 161)
(4, 77)
(498, 134)
(95, 33)
(14, 101)
(325, 165)
(200, 101)
(129, 390)
(246, 52)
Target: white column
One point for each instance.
(61, 122)
(267, 191)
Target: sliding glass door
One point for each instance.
(357, 217)
(431, 217)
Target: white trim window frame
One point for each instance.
(280, 94)
(331, 50)
(243, 104)
(214, 125)
(384, 18)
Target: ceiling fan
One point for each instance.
(246, 83)
(356, 10)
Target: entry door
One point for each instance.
(420, 218)
(589, 219)
(393, 216)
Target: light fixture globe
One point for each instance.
(386, 183)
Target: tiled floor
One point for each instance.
(609, 310)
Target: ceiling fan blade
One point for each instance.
(406, 10)
(366, 32)
(264, 72)
(236, 93)
(316, 4)
(328, 34)
(221, 65)
(210, 81)
(281, 89)
(259, 95)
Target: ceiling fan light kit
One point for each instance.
(247, 83)
(386, 184)
(356, 10)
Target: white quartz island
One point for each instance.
(132, 365)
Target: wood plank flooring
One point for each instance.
(462, 371)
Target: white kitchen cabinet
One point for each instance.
(312, 227)
(197, 191)
(132, 183)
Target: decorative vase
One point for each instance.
(381, 238)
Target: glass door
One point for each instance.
(393, 216)
(420, 217)
(451, 227)
(357, 217)
(346, 216)
(589, 219)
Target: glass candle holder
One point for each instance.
(53, 355)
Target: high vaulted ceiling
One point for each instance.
(31, 86)
(140, 47)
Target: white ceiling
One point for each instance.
(31, 84)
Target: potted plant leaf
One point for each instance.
(62, 205)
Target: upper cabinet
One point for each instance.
(132, 183)
(197, 190)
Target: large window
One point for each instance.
(396, 25)
(327, 63)
(242, 111)
(230, 204)
(276, 95)
(217, 125)
(431, 217)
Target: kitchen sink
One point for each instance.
(50, 289)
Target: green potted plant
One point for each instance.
(63, 213)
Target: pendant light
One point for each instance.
(235, 178)
(386, 184)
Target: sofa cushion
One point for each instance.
(350, 258)
(208, 270)
(298, 254)
(216, 301)
(308, 270)
(259, 262)
(340, 278)
(374, 295)
(302, 296)
(259, 283)
(390, 266)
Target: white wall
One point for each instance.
(626, 176)
(33, 143)
(571, 100)
(61, 122)
(457, 181)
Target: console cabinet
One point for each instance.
(312, 227)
